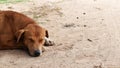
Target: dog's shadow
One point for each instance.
(14, 53)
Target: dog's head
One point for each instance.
(33, 37)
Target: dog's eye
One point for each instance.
(40, 40)
(31, 40)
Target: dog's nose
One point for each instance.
(37, 53)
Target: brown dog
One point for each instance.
(19, 31)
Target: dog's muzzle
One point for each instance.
(37, 53)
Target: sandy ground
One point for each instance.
(86, 34)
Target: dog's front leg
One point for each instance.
(48, 42)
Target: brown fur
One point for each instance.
(18, 30)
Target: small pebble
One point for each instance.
(84, 13)
(85, 25)
(94, 0)
(89, 40)
(10, 7)
(102, 19)
(77, 17)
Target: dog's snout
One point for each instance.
(37, 53)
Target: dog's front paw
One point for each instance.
(49, 42)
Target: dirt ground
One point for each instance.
(86, 34)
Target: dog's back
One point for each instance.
(15, 19)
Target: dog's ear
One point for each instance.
(46, 34)
(19, 34)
